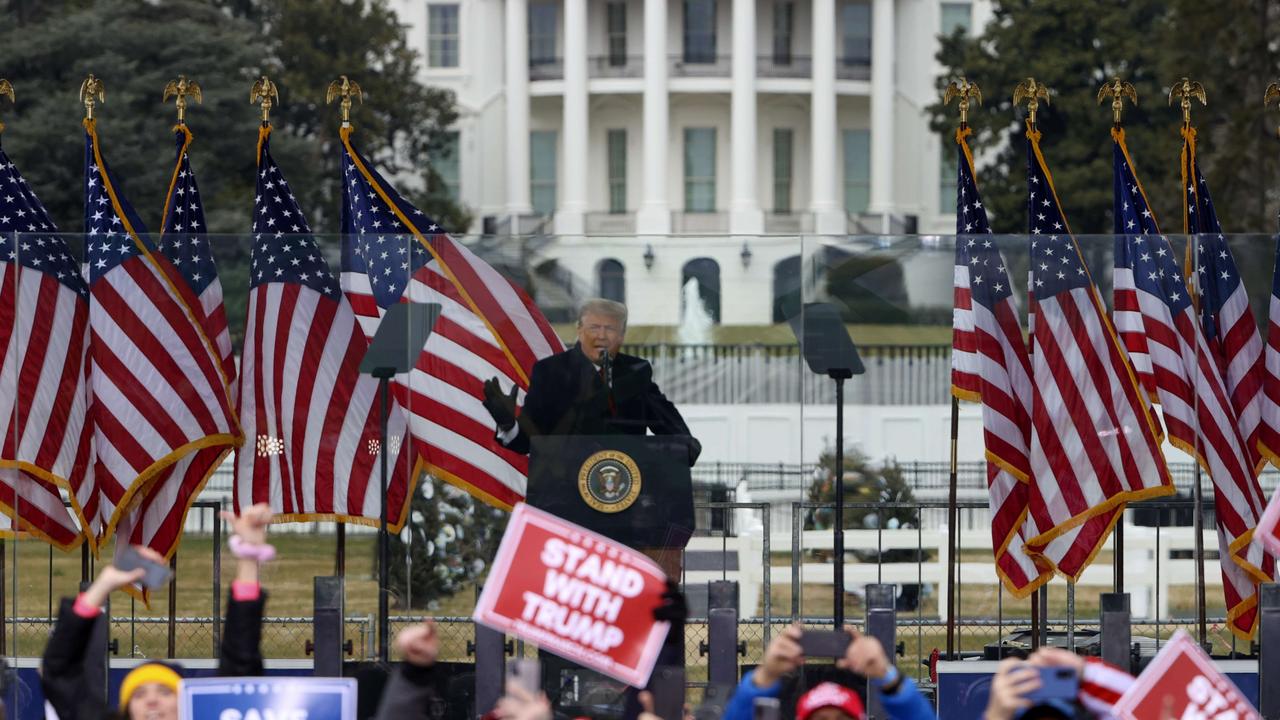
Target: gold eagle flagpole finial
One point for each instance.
(1033, 92)
(182, 88)
(264, 91)
(6, 90)
(965, 92)
(1185, 90)
(1118, 90)
(92, 92)
(1270, 97)
(345, 89)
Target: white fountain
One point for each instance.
(695, 322)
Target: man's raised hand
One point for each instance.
(501, 406)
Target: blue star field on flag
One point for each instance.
(283, 249)
(27, 234)
(1216, 272)
(107, 242)
(375, 241)
(1056, 265)
(1139, 244)
(988, 278)
(183, 240)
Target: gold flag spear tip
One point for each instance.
(1033, 92)
(1118, 90)
(182, 88)
(1185, 90)
(965, 92)
(345, 89)
(92, 92)
(264, 91)
(6, 90)
(1270, 97)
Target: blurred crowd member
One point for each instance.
(150, 690)
(410, 692)
(1101, 685)
(828, 700)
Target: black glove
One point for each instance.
(673, 609)
(501, 406)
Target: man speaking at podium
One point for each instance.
(589, 389)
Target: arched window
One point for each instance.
(786, 288)
(707, 274)
(611, 280)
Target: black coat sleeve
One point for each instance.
(62, 670)
(241, 653)
(409, 694)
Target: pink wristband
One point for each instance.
(85, 609)
(242, 549)
(245, 590)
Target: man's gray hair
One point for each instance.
(608, 308)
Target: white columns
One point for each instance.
(745, 217)
(654, 214)
(824, 146)
(571, 214)
(517, 41)
(882, 52)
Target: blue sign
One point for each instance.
(268, 698)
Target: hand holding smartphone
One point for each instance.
(824, 643)
(157, 574)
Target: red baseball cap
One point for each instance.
(826, 695)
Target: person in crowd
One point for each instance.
(1101, 685)
(411, 690)
(150, 690)
(830, 701)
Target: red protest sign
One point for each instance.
(1268, 530)
(1182, 682)
(577, 594)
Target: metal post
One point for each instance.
(1269, 650)
(881, 624)
(328, 626)
(173, 606)
(952, 529)
(839, 533)
(797, 525)
(490, 665)
(217, 580)
(340, 552)
(1198, 524)
(4, 624)
(722, 632)
(1071, 615)
(84, 563)
(384, 613)
(1118, 553)
(1116, 631)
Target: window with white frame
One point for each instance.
(782, 149)
(445, 161)
(616, 31)
(699, 169)
(542, 171)
(956, 16)
(544, 19)
(442, 35)
(617, 151)
(784, 12)
(857, 170)
(855, 34)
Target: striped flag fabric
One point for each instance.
(1094, 443)
(183, 242)
(1158, 323)
(989, 365)
(312, 446)
(44, 334)
(392, 252)
(159, 403)
(1228, 322)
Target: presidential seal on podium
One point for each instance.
(609, 481)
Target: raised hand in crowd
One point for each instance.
(1013, 681)
(419, 645)
(248, 540)
(111, 578)
(410, 693)
(781, 658)
(520, 704)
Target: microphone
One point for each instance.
(606, 363)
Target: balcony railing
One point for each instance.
(546, 69)
(692, 65)
(699, 222)
(780, 66)
(854, 67)
(615, 66)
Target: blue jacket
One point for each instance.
(905, 704)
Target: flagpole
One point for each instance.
(965, 92)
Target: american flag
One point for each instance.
(392, 252)
(1227, 320)
(44, 317)
(1233, 348)
(159, 404)
(1094, 443)
(183, 241)
(989, 365)
(310, 419)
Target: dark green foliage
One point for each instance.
(865, 484)
(1073, 46)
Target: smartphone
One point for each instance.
(824, 643)
(130, 559)
(766, 708)
(525, 673)
(1056, 683)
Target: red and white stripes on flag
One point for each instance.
(989, 365)
(488, 328)
(312, 446)
(1094, 445)
(159, 402)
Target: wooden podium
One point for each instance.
(631, 488)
